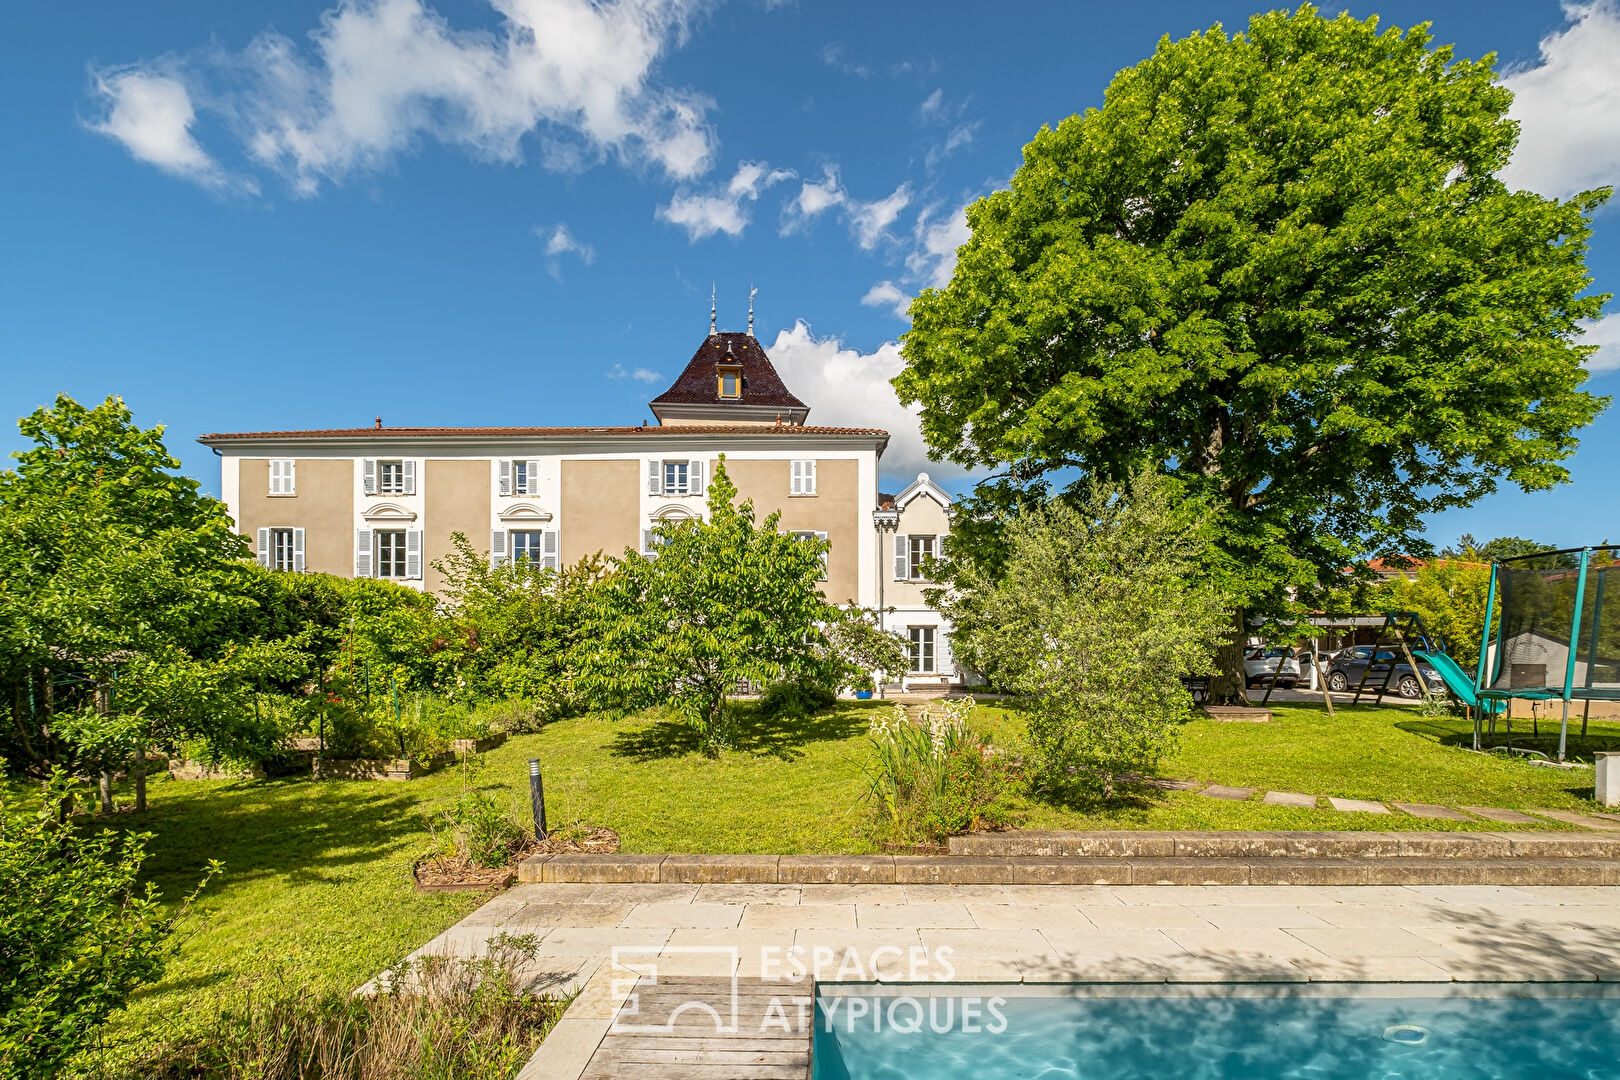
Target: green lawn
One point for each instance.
(317, 882)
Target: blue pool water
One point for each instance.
(1402, 1033)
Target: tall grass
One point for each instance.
(440, 1018)
(935, 777)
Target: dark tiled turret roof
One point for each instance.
(762, 386)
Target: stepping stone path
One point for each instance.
(1595, 820)
(1290, 798)
(1358, 806)
(1236, 794)
(1437, 813)
(1506, 817)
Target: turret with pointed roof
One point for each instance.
(729, 380)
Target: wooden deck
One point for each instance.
(687, 1045)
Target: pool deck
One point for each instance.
(638, 952)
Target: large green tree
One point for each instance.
(118, 583)
(1279, 264)
(721, 600)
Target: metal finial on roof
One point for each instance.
(751, 293)
(711, 311)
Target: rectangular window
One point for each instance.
(676, 478)
(283, 477)
(520, 477)
(281, 550)
(805, 534)
(804, 478)
(391, 477)
(922, 549)
(730, 382)
(528, 545)
(390, 553)
(920, 650)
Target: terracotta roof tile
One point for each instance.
(502, 432)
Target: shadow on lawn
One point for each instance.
(755, 734)
(296, 830)
(1542, 736)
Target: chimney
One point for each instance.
(379, 423)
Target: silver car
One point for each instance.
(1265, 664)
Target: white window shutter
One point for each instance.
(796, 486)
(368, 477)
(289, 477)
(694, 477)
(275, 477)
(549, 560)
(655, 477)
(497, 548)
(810, 477)
(298, 551)
(408, 468)
(413, 554)
(506, 476)
(902, 557)
(531, 482)
(826, 550)
(646, 542)
(264, 547)
(362, 549)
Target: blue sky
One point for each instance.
(287, 215)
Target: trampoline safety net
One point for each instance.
(1537, 607)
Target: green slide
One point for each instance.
(1457, 680)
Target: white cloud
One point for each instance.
(561, 241)
(846, 387)
(888, 294)
(1605, 334)
(726, 209)
(933, 105)
(1568, 106)
(868, 221)
(380, 75)
(934, 259)
(152, 115)
(619, 373)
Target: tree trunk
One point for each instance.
(139, 773)
(104, 706)
(105, 791)
(1229, 682)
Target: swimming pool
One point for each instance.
(1455, 1031)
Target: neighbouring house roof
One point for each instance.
(695, 394)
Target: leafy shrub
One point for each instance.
(938, 777)
(437, 1018)
(518, 716)
(477, 826)
(77, 936)
(797, 700)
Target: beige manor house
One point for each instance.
(383, 501)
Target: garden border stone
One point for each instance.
(477, 746)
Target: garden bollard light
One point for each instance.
(537, 799)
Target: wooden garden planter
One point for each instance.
(478, 746)
(203, 770)
(376, 768)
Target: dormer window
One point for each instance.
(731, 381)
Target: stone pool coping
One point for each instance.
(1143, 858)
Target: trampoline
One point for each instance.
(1557, 632)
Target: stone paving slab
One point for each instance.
(1357, 806)
(1496, 813)
(1585, 821)
(1235, 794)
(1433, 813)
(1289, 798)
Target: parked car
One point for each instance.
(1347, 668)
(1262, 665)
